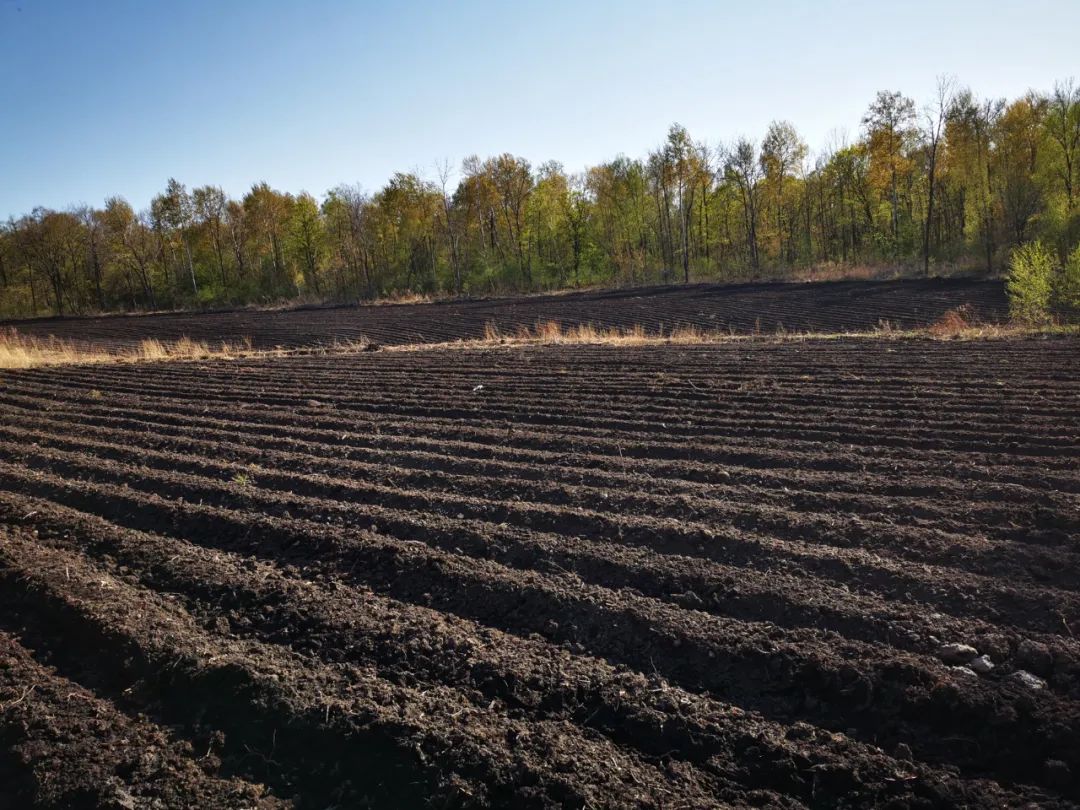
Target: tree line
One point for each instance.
(957, 182)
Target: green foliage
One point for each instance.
(1005, 174)
(1030, 283)
(1067, 294)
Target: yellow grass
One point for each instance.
(404, 298)
(952, 326)
(545, 332)
(23, 351)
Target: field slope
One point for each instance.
(742, 308)
(545, 577)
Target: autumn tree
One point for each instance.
(889, 129)
(209, 206)
(970, 129)
(173, 214)
(782, 153)
(742, 167)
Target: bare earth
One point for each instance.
(841, 306)
(545, 577)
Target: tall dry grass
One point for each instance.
(23, 351)
(547, 332)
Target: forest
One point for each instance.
(952, 184)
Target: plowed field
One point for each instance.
(657, 576)
(821, 307)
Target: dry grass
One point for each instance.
(549, 332)
(954, 325)
(836, 271)
(405, 298)
(21, 351)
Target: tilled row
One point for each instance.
(999, 511)
(619, 578)
(801, 445)
(419, 647)
(690, 564)
(334, 732)
(62, 745)
(512, 452)
(1045, 432)
(876, 522)
(888, 697)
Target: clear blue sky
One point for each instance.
(100, 97)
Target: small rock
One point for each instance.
(981, 664)
(993, 644)
(800, 731)
(118, 799)
(313, 403)
(956, 653)
(692, 600)
(1035, 656)
(1028, 680)
(967, 673)
(903, 751)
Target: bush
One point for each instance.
(1067, 294)
(1030, 282)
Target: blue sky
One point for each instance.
(103, 97)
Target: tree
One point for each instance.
(889, 129)
(1063, 126)
(512, 180)
(970, 128)
(266, 214)
(306, 238)
(347, 211)
(451, 225)
(96, 251)
(782, 152)
(1018, 140)
(173, 214)
(684, 161)
(131, 242)
(743, 167)
(934, 116)
(209, 204)
(52, 244)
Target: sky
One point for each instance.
(107, 97)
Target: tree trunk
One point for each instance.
(929, 211)
(190, 264)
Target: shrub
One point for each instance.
(1067, 294)
(1030, 282)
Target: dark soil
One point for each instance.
(544, 577)
(741, 308)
